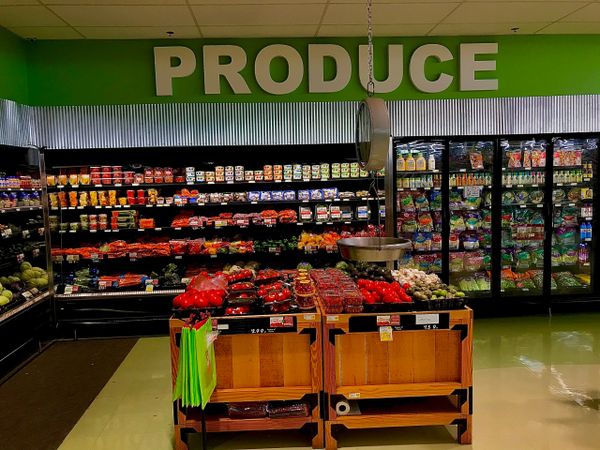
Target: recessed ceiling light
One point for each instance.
(170, 33)
(515, 29)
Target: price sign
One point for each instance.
(35, 252)
(281, 322)
(68, 289)
(27, 295)
(7, 233)
(102, 285)
(95, 257)
(26, 233)
(270, 221)
(472, 191)
(58, 258)
(133, 256)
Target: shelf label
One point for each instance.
(149, 288)
(333, 318)
(427, 319)
(353, 395)
(68, 289)
(133, 256)
(95, 257)
(309, 317)
(386, 334)
(102, 285)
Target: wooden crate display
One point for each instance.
(426, 368)
(259, 358)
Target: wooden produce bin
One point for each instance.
(259, 358)
(422, 377)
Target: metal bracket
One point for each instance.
(464, 330)
(333, 333)
(312, 332)
(461, 424)
(463, 395)
(470, 400)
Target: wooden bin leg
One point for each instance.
(465, 432)
(318, 442)
(331, 442)
(180, 444)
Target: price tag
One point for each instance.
(8, 232)
(72, 258)
(309, 317)
(27, 295)
(333, 318)
(270, 221)
(472, 191)
(186, 281)
(353, 395)
(68, 289)
(20, 257)
(149, 288)
(41, 231)
(102, 285)
(133, 256)
(281, 322)
(95, 257)
(427, 319)
(26, 233)
(385, 334)
(58, 258)
(35, 252)
(158, 229)
(276, 250)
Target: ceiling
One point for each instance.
(139, 19)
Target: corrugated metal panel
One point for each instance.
(212, 124)
(14, 124)
(194, 124)
(519, 115)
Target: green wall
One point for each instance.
(13, 67)
(88, 72)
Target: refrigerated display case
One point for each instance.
(470, 222)
(511, 216)
(419, 168)
(572, 214)
(523, 216)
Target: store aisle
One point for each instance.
(42, 402)
(537, 386)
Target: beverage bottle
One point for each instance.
(400, 164)
(431, 162)
(452, 180)
(410, 163)
(579, 176)
(583, 231)
(420, 162)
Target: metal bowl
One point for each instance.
(373, 249)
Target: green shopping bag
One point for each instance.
(197, 374)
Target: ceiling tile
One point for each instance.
(572, 28)
(126, 16)
(253, 2)
(46, 32)
(590, 13)
(388, 13)
(258, 14)
(412, 29)
(506, 12)
(113, 2)
(18, 2)
(259, 31)
(485, 29)
(36, 16)
(139, 32)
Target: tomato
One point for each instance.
(186, 302)
(389, 298)
(406, 286)
(271, 297)
(214, 299)
(396, 286)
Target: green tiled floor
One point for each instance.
(537, 386)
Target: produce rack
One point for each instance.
(25, 309)
(260, 358)
(279, 233)
(398, 369)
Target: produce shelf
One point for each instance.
(14, 311)
(20, 209)
(253, 203)
(255, 363)
(119, 294)
(205, 184)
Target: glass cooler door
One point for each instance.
(419, 202)
(523, 217)
(574, 161)
(470, 201)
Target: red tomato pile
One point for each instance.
(193, 298)
(383, 292)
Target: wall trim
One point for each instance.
(220, 124)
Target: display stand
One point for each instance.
(422, 376)
(259, 358)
